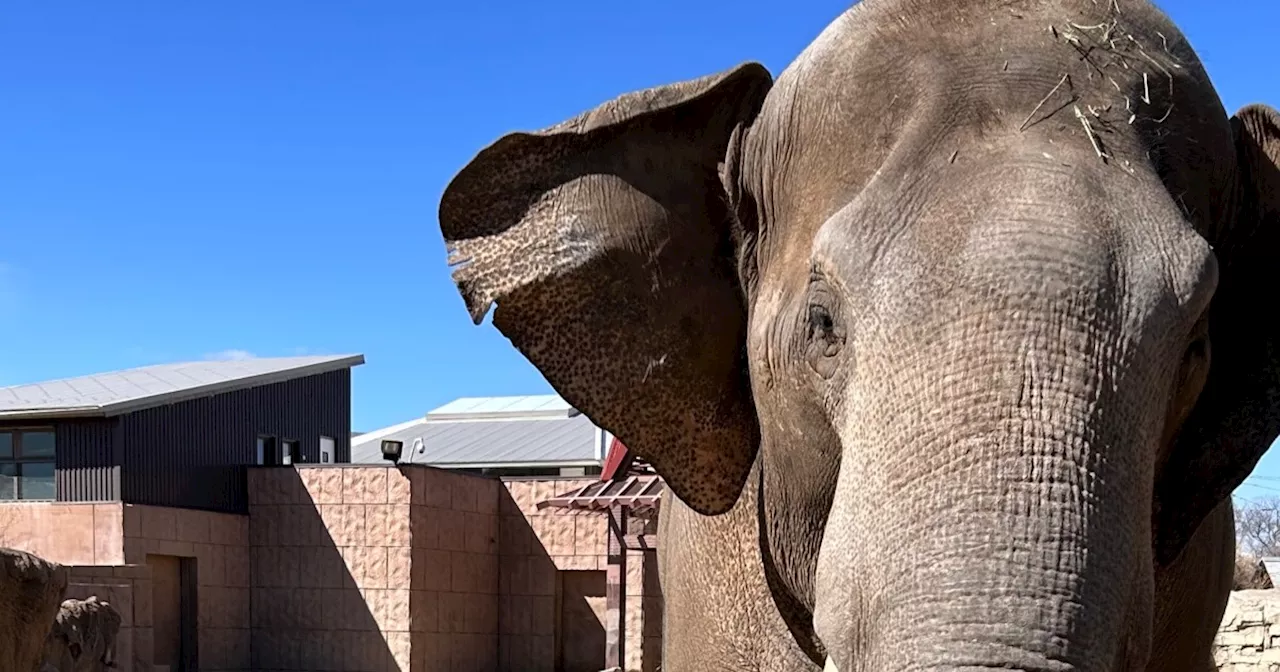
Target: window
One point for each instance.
(326, 450)
(27, 464)
(267, 453)
(272, 452)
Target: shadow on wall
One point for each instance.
(455, 567)
(308, 573)
(552, 581)
(358, 567)
(582, 612)
(367, 567)
(529, 611)
(651, 648)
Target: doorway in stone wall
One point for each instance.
(173, 605)
(580, 632)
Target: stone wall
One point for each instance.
(87, 533)
(537, 547)
(101, 539)
(411, 568)
(354, 567)
(455, 571)
(534, 545)
(1249, 637)
(219, 545)
(374, 568)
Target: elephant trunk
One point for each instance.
(1001, 520)
(1013, 564)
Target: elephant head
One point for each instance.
(30, 591)
(951, 283)
(83, 638)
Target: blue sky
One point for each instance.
(190, 180)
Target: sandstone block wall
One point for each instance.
(455, 571)
(219, 543)
(1249, 637)
(374, 568)
(88, 534)
(353, 567)
(535, 545)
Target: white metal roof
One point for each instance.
(1272, 565)
(116, 392)
(476, 432)
(525, 407)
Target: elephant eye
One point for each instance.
(820, 322)
(824, 333)
(1198, 348)
(825, 340)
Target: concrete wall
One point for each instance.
(360, 567)
(104, 537)
(219, 543)
(644, 605)
(374, 568)
(128, 589)
(414, 569)
(535, 545)
(87, 534)
(455, 571)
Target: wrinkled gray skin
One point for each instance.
(83, 638)
(30, 590)
(918, 334)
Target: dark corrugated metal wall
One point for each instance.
(194, 453)
(87, 465)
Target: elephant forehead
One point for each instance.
(925, 80)
(870, 145)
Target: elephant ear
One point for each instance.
(1237, 415)
(605, 242)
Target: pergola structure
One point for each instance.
(627, 486)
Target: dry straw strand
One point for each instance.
(1044, 100)
(1088, 130)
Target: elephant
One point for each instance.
(83, 638)
(30, 590)
(942, 340)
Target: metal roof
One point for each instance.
(1272, 565)
(635, 492)
(117, 392)
(528, 406)
(473, 433)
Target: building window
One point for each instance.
(326, 450)
(26, 464)
(273, 452)
(268, 456)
